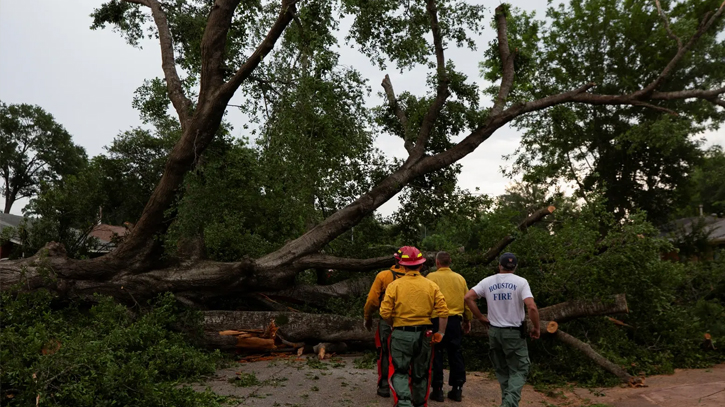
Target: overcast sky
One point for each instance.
(86, 79)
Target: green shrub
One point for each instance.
(107, 355)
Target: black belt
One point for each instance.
(414, 328)
(506, 327)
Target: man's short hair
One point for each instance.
(443, 258)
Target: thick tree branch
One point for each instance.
(339, 263)
(507, 61)
(181, 103)
(442, 91)
(566, 311)
(682, 50)
(213, 47)
(399, 113)
(666, 22)
(286, 14)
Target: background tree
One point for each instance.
(34, 148)
(638, 156)
(708, 185)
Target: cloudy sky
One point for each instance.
(86, 79)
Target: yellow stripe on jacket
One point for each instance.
(411, 300)
(454, 288)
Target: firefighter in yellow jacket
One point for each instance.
(408, 306)
(375, 297)
(454, 289)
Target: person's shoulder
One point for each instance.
(433, 275)
(520, 279)
(432, 283)
(487, 279)
(393, 284)
(458, 275)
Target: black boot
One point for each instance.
(456, 394)
(437, 395)
(384, 392)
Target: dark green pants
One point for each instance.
(381, 342)
(510, 358)
(410, 354)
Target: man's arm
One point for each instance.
(373, 302)
(386, 308)
(442, 311)
(470, 299)
(467, 314)
(534, 316)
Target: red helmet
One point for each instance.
(397, 254)
(410, 256)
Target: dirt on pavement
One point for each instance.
(303, 382)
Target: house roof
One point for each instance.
(8, 220)
(105, 233)
(715, 227)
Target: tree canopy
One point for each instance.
(34, 148)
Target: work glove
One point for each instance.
(437, 338)
(368, 324)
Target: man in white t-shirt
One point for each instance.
(506, 295)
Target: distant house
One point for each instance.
(106, 236)
(707, 230)
(9, 221)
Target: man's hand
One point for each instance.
(535, 333)
(368, 324)
(437, 338)
(484, 320)
(466, 327)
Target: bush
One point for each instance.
(102, 355)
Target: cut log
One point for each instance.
(605, 363)
(566, 311)
(552, 327)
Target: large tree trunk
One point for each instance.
(298, 326)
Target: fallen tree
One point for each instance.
(250, 331)
(133, 269)
(134, 272)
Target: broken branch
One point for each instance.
(507, 61)
(535, 217)
(605, 363)
(402, 118)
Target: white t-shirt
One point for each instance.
(505, 294)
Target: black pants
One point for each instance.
(452, 344)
